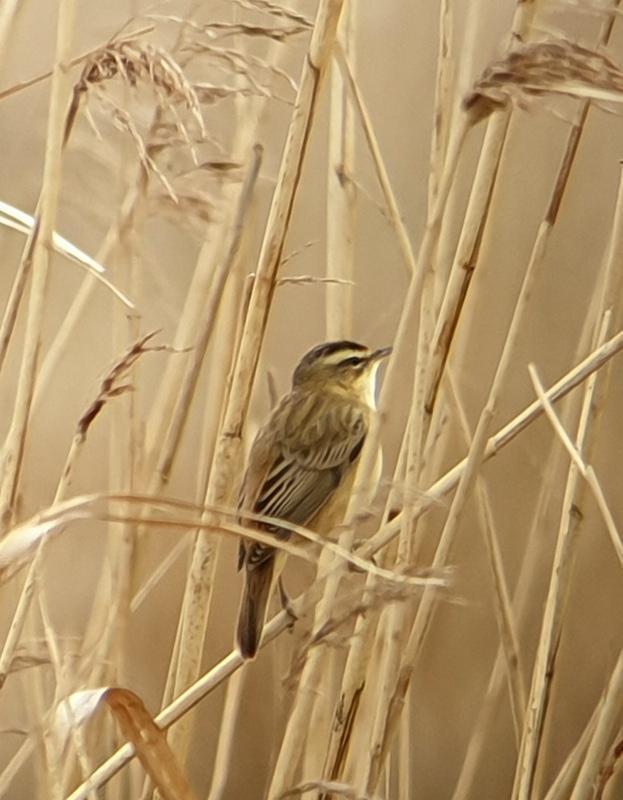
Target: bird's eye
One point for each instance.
(353, 361)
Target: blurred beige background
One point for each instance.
(396, 62)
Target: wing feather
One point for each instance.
(298, 461)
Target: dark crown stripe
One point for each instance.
(330, 348)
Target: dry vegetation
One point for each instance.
(194, 194)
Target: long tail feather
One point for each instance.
(252, 614)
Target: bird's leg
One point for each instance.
(286, 604)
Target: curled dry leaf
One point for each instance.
(534, 69)
(137, 726)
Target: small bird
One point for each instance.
(302, 465)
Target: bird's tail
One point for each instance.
(252, 614)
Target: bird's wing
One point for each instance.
(298, 461)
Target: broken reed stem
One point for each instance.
(38, 249)
(278, 624)
(227, 455)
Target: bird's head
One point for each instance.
(347, 367)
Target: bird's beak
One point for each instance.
(377, 355)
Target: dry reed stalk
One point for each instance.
(391, 204)
(15, 764)
(611, 283)
(37, 254)
(19, 281)
(364, 486)
(38, 250)
(280, 622)
(87, 287)
(563, 785)
(505, 618)
(227, 455)
(601, 739)
(126, 447)
(472, 464)
(175, 396)
(396, 618)
(362, 640)
(341, 194)
(193, 325)
(353, 676)
(340, 232)
(522, 599)
(350, 696)
(108, 390)
(467, 252)
(232, 313)
(551, 629)
(442, 114)
(471, 235)
(390, 712)
(384, 663)
(227, 735)
(169, 446)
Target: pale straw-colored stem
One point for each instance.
(228, 448)
(551, 628)
(275, 627)
(38, 249)
(607, 717)
(341, 193)
(391, 204)
(505, 618)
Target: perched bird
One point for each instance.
(302, 464)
